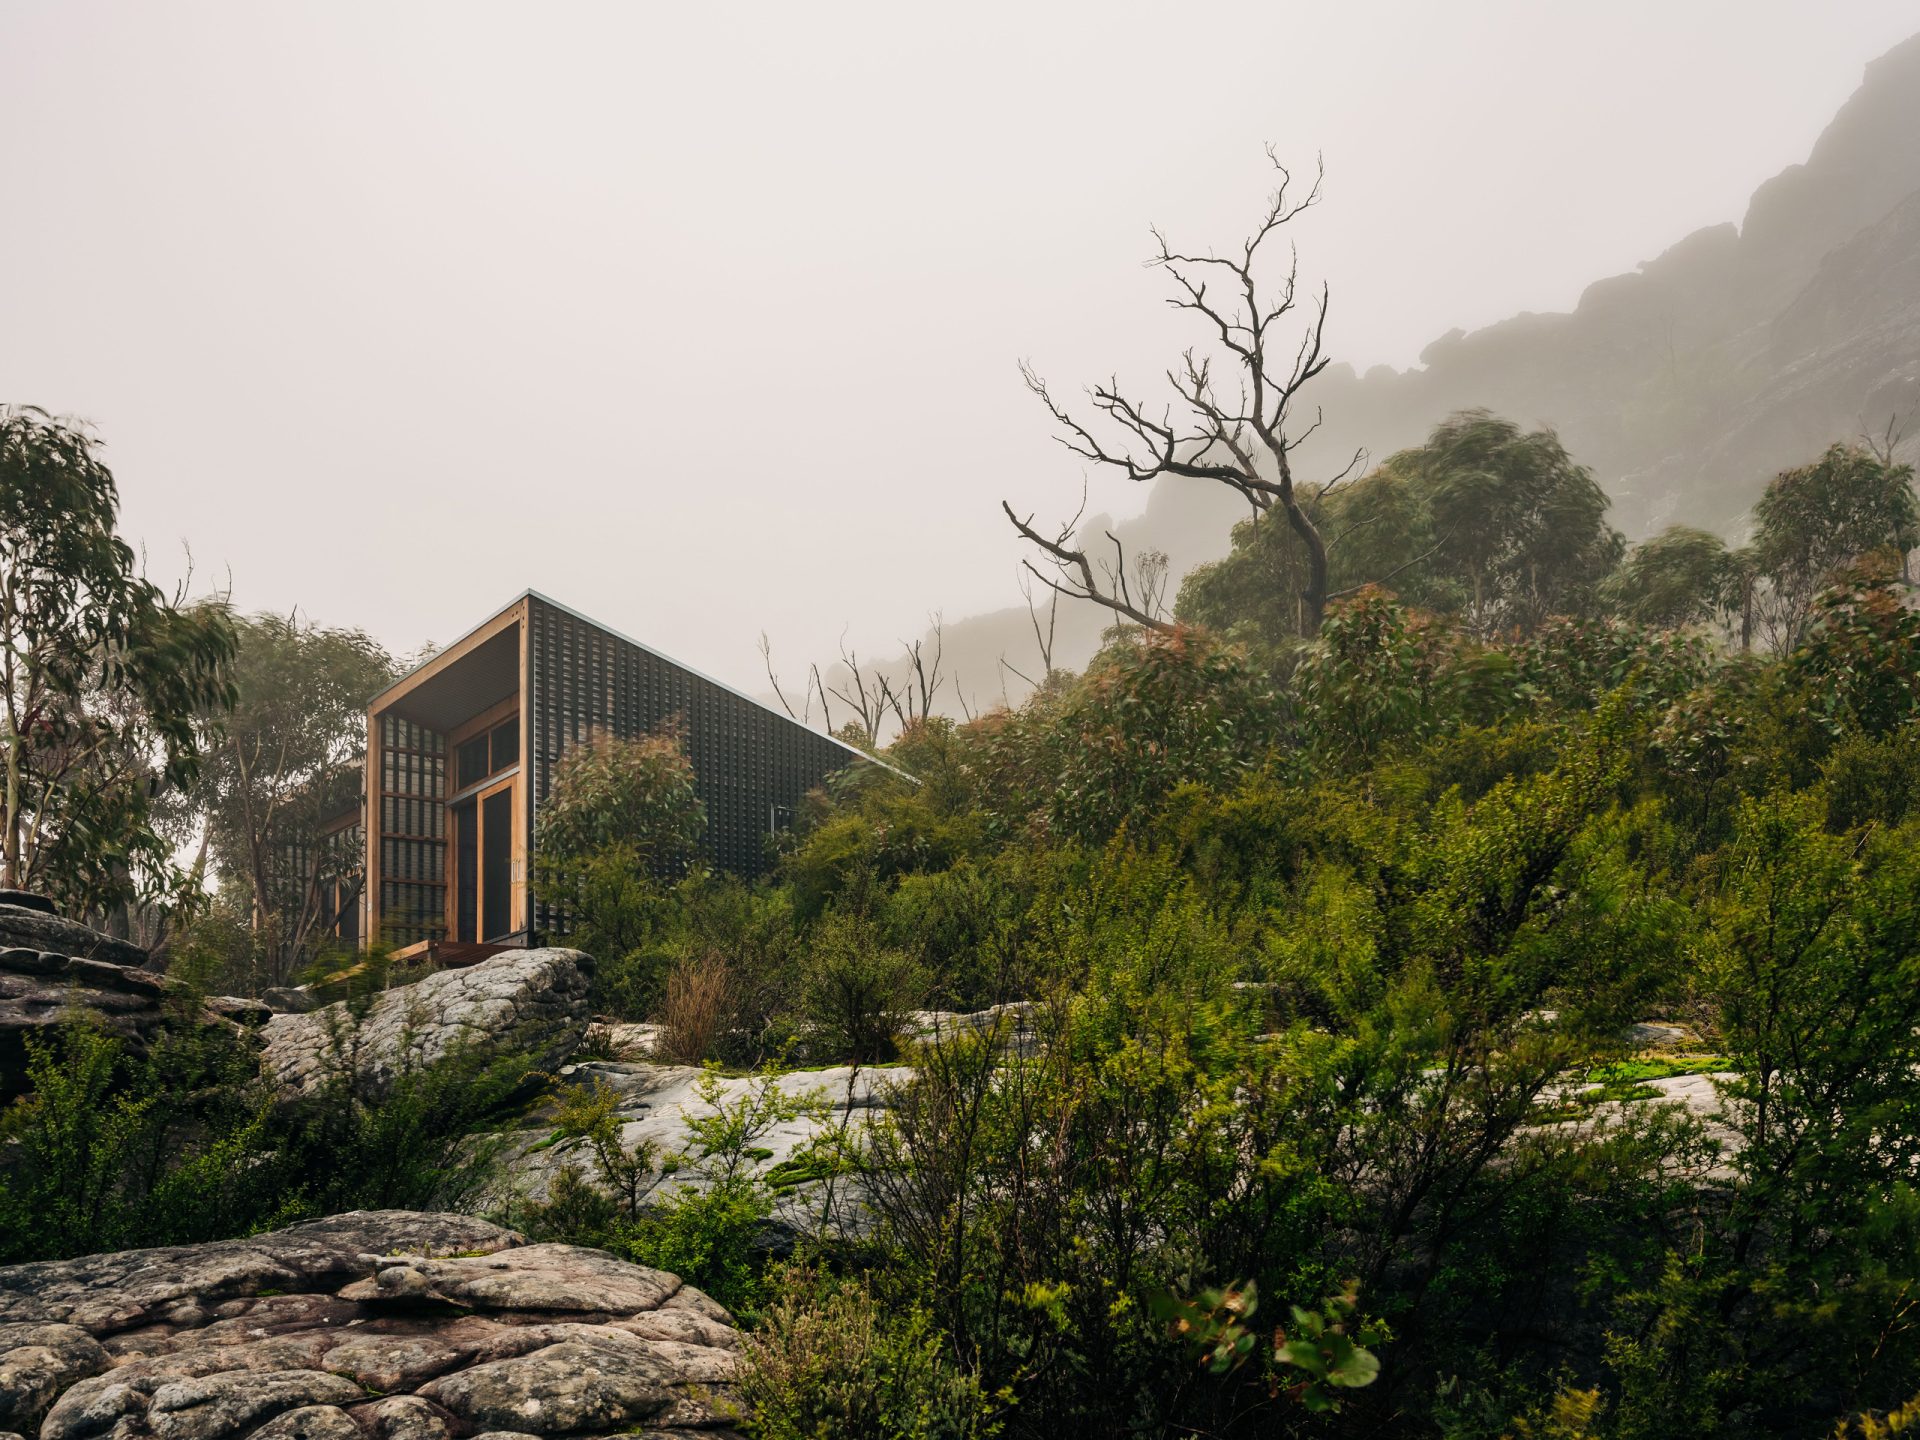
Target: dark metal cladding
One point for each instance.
(752, 765)
(413, 832)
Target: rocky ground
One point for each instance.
(378, 1325)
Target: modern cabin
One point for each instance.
(460, 754)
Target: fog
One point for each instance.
(705, 320)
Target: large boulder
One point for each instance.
(52, 967)
(377, 1325)
(528, 1001)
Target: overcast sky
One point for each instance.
(704, 319)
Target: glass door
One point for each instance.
(466, 879)
(496, 862)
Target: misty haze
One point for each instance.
(1043, 721)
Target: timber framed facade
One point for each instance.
(460, 756)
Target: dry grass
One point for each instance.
(698, 1004)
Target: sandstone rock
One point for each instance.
(52, 967)
(527, 1000)
(107, 1294)
(40, 929)
(408, 1417)
(560, 1390)
(385, 1325)
(38, 1362)
(290, 999)
(211, 1407)
(539, 1277)
(311, 1422)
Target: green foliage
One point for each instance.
(1327, 1349)
(616, 911)
(830, 1359)
(856, 989)
(1153, 712)
(1492, 527)
(1814, 521)
(1860, 662)
(104, 681)
(708, 1226)
(635, 795)
(185, 1143)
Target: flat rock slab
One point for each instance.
(655, 1104)
(533, 1001)
(375, 1325)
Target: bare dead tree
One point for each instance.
(766, 656)
(1042, 638)
(815, 688)
(923, 679)
(866, 693)
(1238, 432)
(1076, 579)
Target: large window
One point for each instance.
(488, 753)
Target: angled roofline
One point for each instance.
(531, 594)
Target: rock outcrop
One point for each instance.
(378, 1325)
(529, 1001)
(51, 967)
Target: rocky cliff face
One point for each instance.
(1688, 383)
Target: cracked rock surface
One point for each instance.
(375, 1325)
(528, 1000)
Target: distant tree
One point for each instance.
(1494, 526)
(1812, 523)
(1525, 525)
(1238, 429)
(286, 759)
(635, 794)
(102, 678)
(1679, 577)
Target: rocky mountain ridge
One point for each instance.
(1685, 384)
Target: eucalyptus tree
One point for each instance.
(103, 678)
(284, 759)
(1815, 520)
(1678, 578)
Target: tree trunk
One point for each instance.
(1313, 598)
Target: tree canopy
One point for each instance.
(103, 677)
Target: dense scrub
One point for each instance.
(1331, 951)
(1322, 962)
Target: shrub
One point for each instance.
(185, 1143)
(829, 1359)
(857, 990)
(639, 793)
